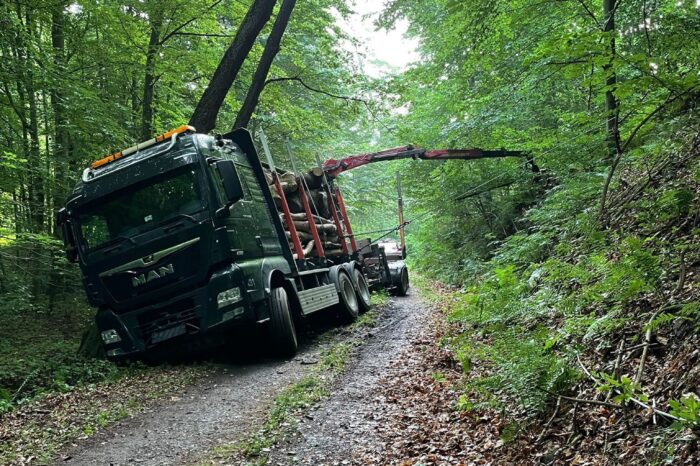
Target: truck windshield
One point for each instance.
(140, 207)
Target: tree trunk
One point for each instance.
(204, 117)
(614, 152)
(36, 185)
(272, 47)
(149, 80)
(60, 141)
(610, 82)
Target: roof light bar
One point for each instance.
(141, 146)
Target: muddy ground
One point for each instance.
(234, 400)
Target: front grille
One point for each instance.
(160, 324)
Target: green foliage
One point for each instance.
(5, 400)
(523, 249)
(687, 409)
(43, 314)
(691, 311)
(562, 283)
(668, 206)
(624, 388)
(510, 432)
(494, 301)
(522, 353)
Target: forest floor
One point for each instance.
(201, 412)
(325, 406)
(386, 390)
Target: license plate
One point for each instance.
(168, 333)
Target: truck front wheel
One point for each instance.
(284, 334)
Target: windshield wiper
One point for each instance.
(175, 217)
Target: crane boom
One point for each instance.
(334, 167)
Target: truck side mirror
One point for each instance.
(67, 233)
(233, 189)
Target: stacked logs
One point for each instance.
(318, 203)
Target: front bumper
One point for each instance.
(193, 313)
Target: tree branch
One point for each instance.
(565, 63)
(621, 148)
(481, 191)
(634, 400)
(590, 13)
(313, 89)
(201, 34)
(591, 402)
(651, 115)
(188, 22)
(14, 107)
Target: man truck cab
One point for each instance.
(180, 236)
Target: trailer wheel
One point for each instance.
(402, 286)
(281, 323)
(348, 306)
(363, 296)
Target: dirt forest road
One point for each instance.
(234, 401)
(342, 430)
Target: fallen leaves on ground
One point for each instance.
(419, 423)
(36, 432)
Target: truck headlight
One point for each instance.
(230, 296)
(111, 336)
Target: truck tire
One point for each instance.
(284, 334)
(403, 285)
(363, 295)
(348, 307)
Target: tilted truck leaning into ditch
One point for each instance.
(182, 235)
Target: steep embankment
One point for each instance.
(578, 344)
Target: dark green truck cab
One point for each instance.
(180, 237)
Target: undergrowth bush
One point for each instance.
(503, 317)
(43, 315)
(561, 283)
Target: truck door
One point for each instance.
(249, 227)
(262, 227)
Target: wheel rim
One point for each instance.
(362, 288)
(349, 293)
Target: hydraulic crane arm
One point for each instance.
(335, 167)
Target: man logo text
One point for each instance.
(152, 275)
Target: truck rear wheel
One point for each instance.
(348, 306)
(402, 286)
(281, 324)
(363, 296)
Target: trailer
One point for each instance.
(181, 236)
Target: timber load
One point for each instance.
(316, 198)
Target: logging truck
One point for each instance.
(188, 235)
